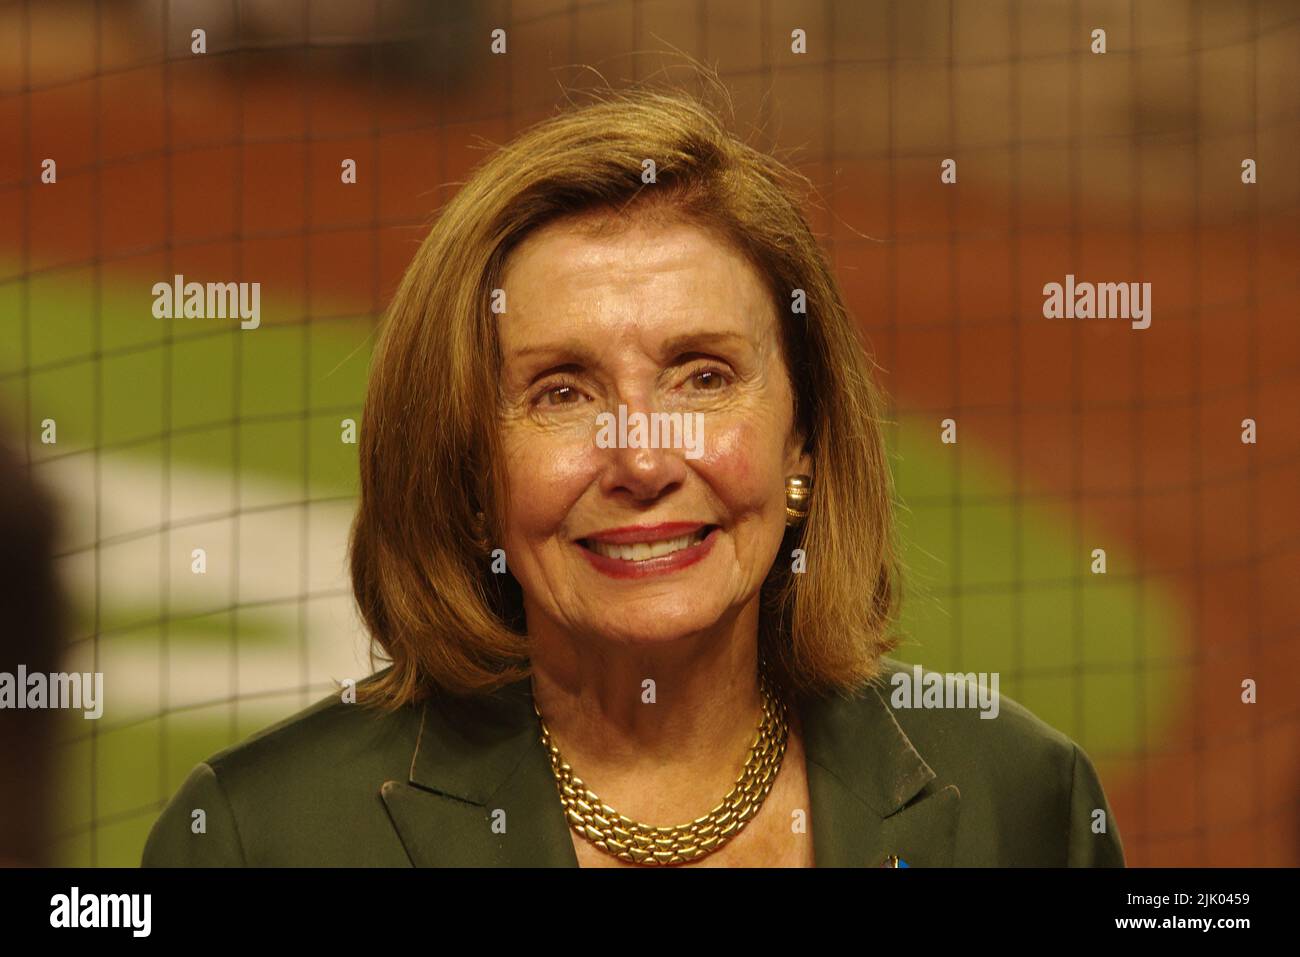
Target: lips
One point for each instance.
(632, 534)
(639, 550)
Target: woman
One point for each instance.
(601, 629)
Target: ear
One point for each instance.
(797, 460)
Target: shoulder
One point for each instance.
(304, 791)
(963, 718)
(319, 745)
(1024, 783)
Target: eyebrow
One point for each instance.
(687, 342)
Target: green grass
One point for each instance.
(287, 386)
(1092, 655)
(138, 623)
(1096, 656)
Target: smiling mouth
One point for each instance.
(644, 551)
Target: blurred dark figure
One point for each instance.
(31, 629)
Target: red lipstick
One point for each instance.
(662, 565)
(631, 534)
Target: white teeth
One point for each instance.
(642, 551)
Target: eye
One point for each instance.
(709, 379)
(557, 394)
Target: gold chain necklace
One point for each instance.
(638, 843)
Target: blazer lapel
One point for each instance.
(480, 791)
(872, 794)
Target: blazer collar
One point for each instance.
(480, 791)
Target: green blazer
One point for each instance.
(338, 785)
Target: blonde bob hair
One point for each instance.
(420, 553)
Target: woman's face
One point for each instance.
(657, 318)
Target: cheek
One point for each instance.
(742, 464)
(546, 475)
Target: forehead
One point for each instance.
(601, 274)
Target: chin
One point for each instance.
(649, 623)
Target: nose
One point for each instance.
(635, 471)
(644, 475)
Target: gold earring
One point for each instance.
(798, 489)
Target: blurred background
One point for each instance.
(1072, 435)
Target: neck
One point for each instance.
(662, 753)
